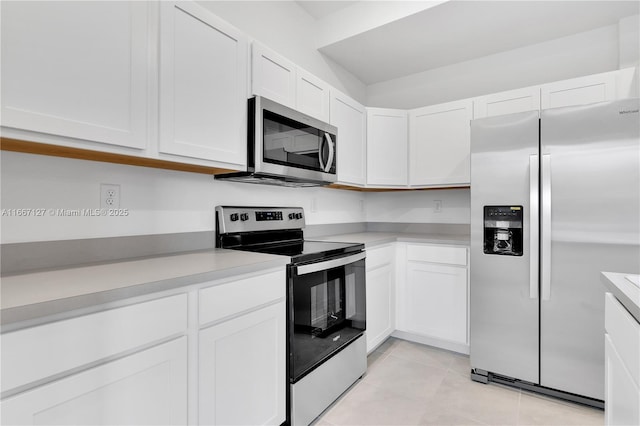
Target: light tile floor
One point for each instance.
(411, 384)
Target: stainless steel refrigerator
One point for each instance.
(555, 199)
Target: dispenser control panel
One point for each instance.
(503, 230)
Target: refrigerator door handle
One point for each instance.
(546, 226)
(534, 234)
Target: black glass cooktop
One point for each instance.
(304, 251)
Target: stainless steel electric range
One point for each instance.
(326, 312)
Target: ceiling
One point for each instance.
(320, 9)
(444, 33)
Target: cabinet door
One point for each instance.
(273, 76)
(76, 69)
(579, 91)
(439, 147)
(386, 147)
(203, 85)
(148, 387)
(510, 102)
(380, 304)
(351, 120)
(622, 394)
(242, 369)
(436, 301)
(312, 95)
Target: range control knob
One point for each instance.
(233, 217)
(298, 215)
(244, 216)
(292, 216)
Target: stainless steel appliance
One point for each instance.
(326, 311)
(555, 200)
(287, 147)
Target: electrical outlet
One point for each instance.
(109, 196)
(437, 206)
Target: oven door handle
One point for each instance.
(329, 264)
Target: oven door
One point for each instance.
(327, 310)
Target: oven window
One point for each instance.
(292, 143)
(327, 310)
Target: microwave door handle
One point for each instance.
(328, 264)
(331, 152)
(322, 165)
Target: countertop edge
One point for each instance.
(611, 281)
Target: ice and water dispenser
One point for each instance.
(503, 230)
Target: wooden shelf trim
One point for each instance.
(28, 147)
(16, 145)
(360, 189)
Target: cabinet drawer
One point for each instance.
(437, 254)
(624, 332)
(380, 256)
(40, 352)
(234, 297)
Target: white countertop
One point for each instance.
(32, 296)
(624, 288)
(27, 296)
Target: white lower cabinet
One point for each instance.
(214, 354)
(433, 297)
(242, 375)
(148, 387)
(622, 365)
(381, 300)
(126, 365)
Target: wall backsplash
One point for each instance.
(159, 201)
(419, 206)
(166, 202)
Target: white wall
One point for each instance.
(289, 30)
(160, 201)
(418, 206)
(581, 54)
(629, 36)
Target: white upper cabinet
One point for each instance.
(579, 91)
(76, 69)
(386, 147)
(203, 85)
(509, 102)
(439, 137)
(351, 120)
(277, 78)
(273, 76)
(312, 95)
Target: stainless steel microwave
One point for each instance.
(287, 147)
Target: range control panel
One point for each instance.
(244, 219)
